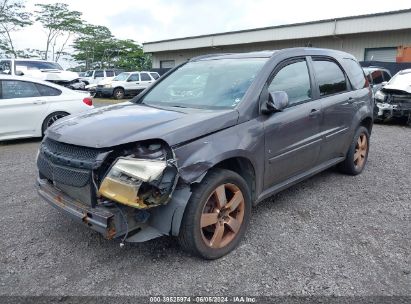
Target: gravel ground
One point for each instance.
(330, 235)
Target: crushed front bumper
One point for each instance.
(104, 220)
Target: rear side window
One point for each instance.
(5, 67)
(377, 77)
(330, 78)
(99, 74)
(110, 73)
(294, 80)
(355, 73)
(154, 75)
(47, 91)
(18, 89)
(145, 77)
(387, 76)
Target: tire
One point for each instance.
(118, 93)
(230, 224)
(52, 118)
(357, 154)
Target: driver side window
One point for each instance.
(293, 79)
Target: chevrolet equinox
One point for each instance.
(191, 154)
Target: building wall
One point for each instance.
(354, 44)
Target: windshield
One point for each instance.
(121, 77)
(37, 65)
(206, 84)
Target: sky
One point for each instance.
(153, 20)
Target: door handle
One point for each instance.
(39, 102)
(314, 112)
(149, 82)
(137, 83)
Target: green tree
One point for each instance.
(13, 17)
(96, 47)
(130, 56)
(59, 22)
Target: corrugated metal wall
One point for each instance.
(354, 44)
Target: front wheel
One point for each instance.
(357, 154)
(217, 215)
(118, 93)
(51, 119)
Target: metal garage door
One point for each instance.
(381, 54)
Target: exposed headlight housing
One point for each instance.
(380, 96)
(139, 183)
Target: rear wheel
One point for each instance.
(217, 215)
(357, 154)
(118, 93)
(51, 119)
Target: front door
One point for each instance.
(292, 136)
(21, 108)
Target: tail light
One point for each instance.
(88, 101)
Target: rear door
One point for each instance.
(98, 76)
(339, 101)
(145, 80)
(292, 136)
(22, 108)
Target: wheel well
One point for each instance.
(244, 168)
(367, 122)
(47, 117)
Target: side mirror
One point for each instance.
(277, 101)
(19, 73)
(384, 83)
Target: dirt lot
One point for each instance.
(330, 235)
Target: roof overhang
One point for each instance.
(389, 21)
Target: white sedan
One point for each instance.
(29, 106)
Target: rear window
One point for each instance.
(355, 73)
(330, 77)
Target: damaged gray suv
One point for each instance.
(194, 152)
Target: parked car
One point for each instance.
(95, 76)
(394, 99)
(192, 165)
(377, 77)
(127, 83)
(29, 106)
(41, 69)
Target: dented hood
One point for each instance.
(128, 122)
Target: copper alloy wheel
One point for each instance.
(360, 151)
(222, 216)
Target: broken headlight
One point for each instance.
(139, 183)
(380, 96)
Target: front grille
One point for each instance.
(100, 86)
(70, 151)
(68, 165)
